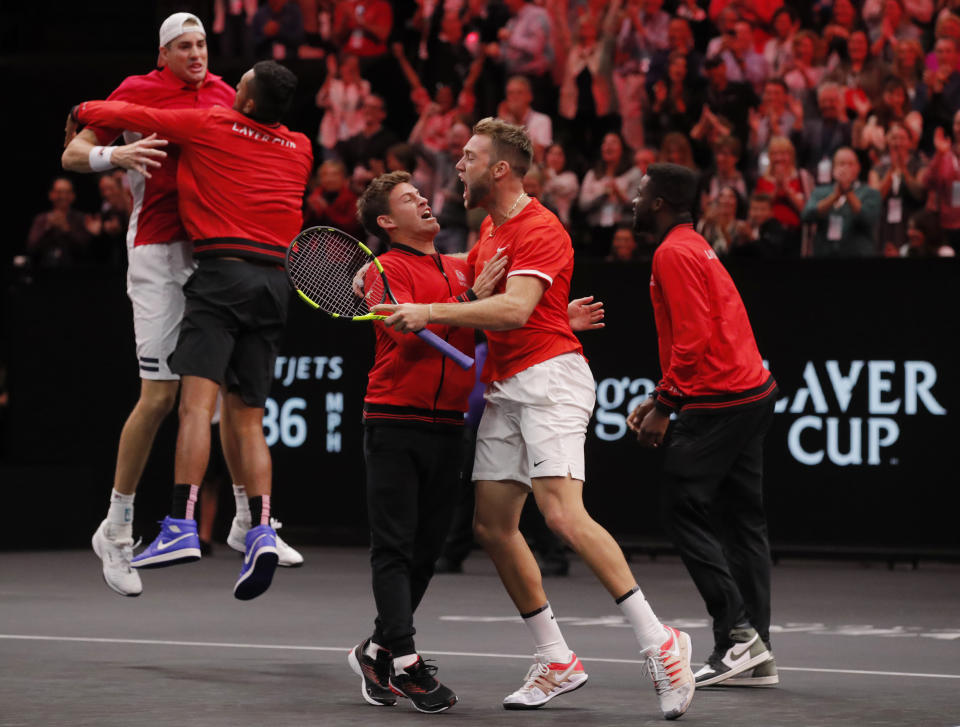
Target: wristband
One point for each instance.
(470, 294)
(100, 158)
(429, 312)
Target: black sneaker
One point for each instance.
(417, 683)
(374, 675)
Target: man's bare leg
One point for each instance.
(560, 499)
(249, 461)
(496, 523)
(136, 440)
(198, 400)
(255, 461)
(113, 540)
(244, 446)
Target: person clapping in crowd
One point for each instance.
(846, 212)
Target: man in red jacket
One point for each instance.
(159, 261)
(241, 179)
(714, 380)
(413, 415)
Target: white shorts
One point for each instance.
(535, 422)
(155, 278)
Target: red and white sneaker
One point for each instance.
(544, 681)
(669, 667)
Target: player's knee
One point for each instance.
(487, 534)
(563, 525)
(191, 409)
(156, 402)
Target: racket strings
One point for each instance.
(323, 265)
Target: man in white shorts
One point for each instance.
(160, 260)
(540, 395)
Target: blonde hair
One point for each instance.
(781, 143)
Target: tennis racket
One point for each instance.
(322, 262)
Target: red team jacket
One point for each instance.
(155, 218)
(411, 383)
(708, 353)
(240, 182)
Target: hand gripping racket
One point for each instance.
(322, 262)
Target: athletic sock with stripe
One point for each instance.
(184, 501)
(551, 646)
(259, 510)
(120, 515)
(646, 626)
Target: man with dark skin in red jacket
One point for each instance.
(714, 381)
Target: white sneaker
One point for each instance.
(669, 667)
(289, 557)
(546, 681)
(116, 554)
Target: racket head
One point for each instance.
(321, 264)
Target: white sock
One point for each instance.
(372, 649)
(120, 514)
(551, 646)
(646, 626)
(243, 505)
(402, 662)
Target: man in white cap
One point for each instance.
(160, 260)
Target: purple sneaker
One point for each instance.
(259, 563)
(177, 543)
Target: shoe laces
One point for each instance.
(657, 668)
(126, 552)
(422, 674)
(536, 678)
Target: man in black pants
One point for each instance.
(413, 418)
(723, 398)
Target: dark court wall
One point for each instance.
(861, 452)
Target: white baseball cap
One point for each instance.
(173, 27)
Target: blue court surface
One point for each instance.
(856, 644)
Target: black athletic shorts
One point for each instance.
(233, 321)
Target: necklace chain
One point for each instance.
(494, 228)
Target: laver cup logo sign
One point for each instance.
(849, 413)
(825, 423)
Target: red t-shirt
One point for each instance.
(536, 244)
(241, 183)
(155, 218)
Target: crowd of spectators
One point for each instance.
(818, 128)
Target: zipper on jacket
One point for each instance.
(443, 359)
